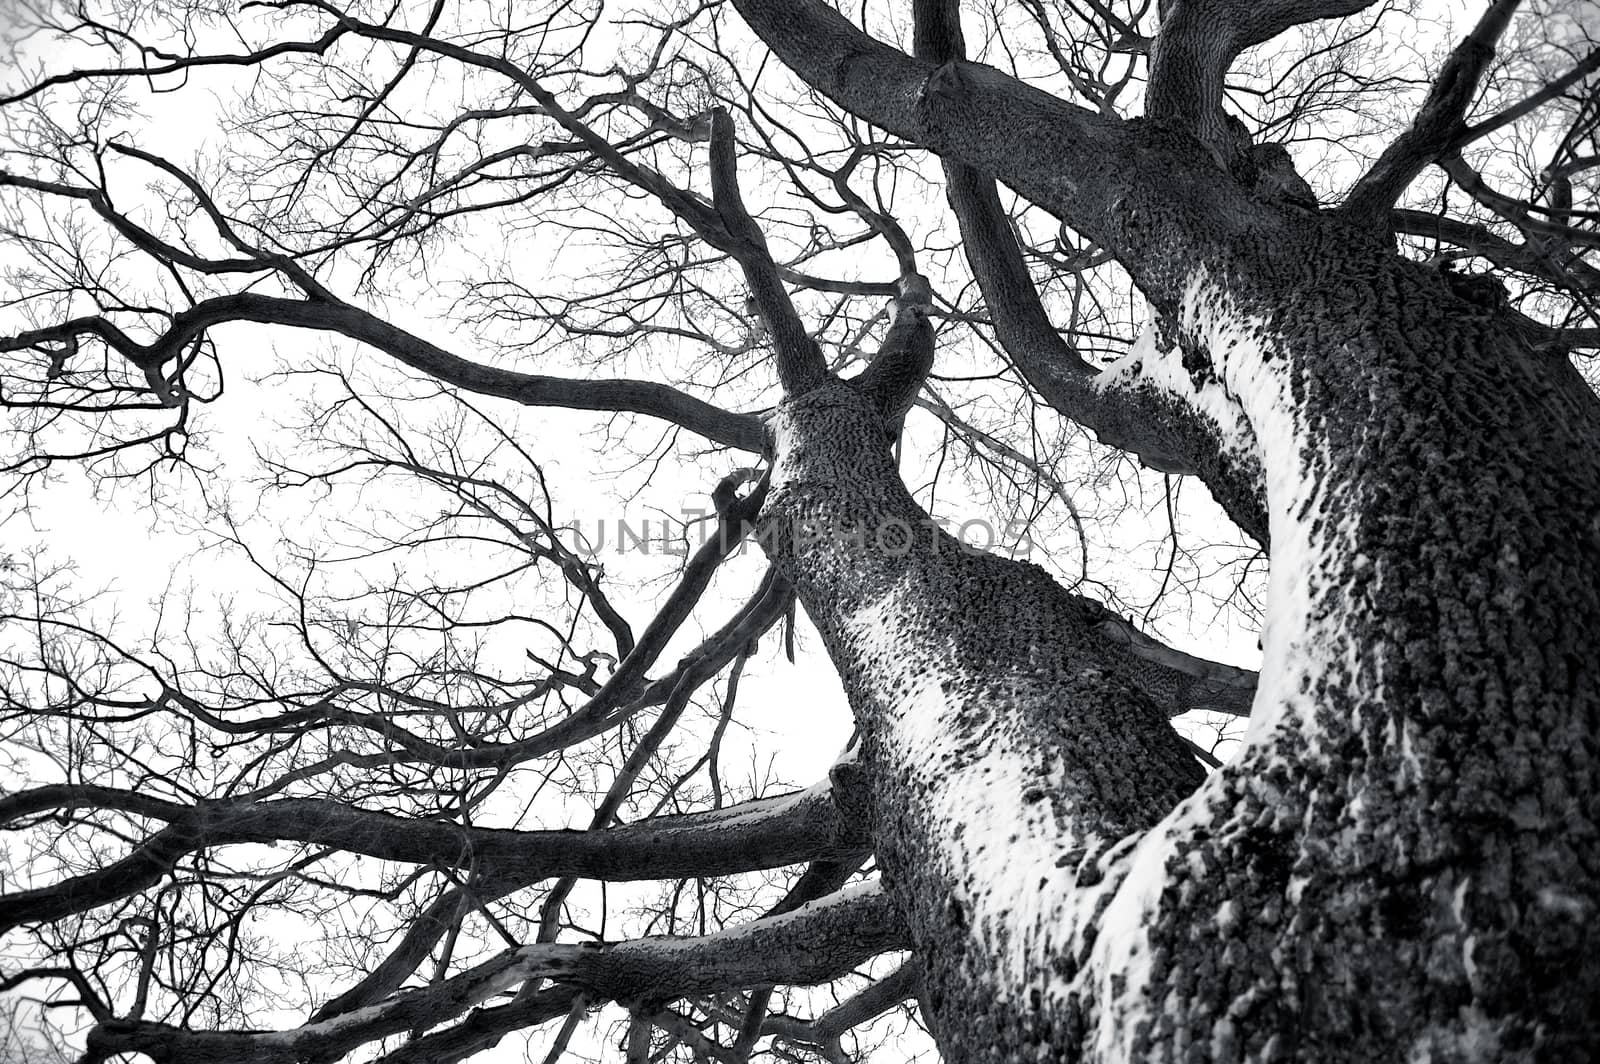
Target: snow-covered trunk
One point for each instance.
(1402, 863)
(1005, 743)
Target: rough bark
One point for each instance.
(992, 706)
(1401, 864)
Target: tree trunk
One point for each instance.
(1401, 865)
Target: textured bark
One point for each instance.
(1402, 863)
(1007, 741)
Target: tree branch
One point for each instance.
(814, 944)
(1197, 43)
(742, 431)
(1526, 258)
(799, 361)
(1515, 211)
(1580, 71)
(1160, 433)
(767, 833)
(1181, 682)
(1439, 122)
(825, 1030)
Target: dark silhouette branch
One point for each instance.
(767, 833)
(1438, 125)
(814, 944)
(799, 361)
(902, 984)
(741, 431)
(180, 64)
(1532, 102)
(1513, 210)
(724, 224)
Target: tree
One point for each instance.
(1376, 369)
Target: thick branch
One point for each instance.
(1257, 23)
(799, 361)
(816, 943)
(1198, 42)
(1178, 681)
(896, 373)
(768, 833)
(1515, 211)
(995, 114)
(1438, 124)
(1161, 434)
(621, 396)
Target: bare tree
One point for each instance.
(847, 264)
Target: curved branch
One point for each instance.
(604, 711)
(1164, 436)
(814, 944)
(1198, 42)
(1512, 210)
(767, 833)
(1148, 197)
(742, 431)
(1438, 125)
(429, 925)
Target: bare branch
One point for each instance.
(799, 360)
(902, 984)
(1439, 122)
(769, 833)
(622, 396)
(1532, 102)
(816, 943)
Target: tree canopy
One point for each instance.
(474, 537)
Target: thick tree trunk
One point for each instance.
(998, 721)
(1402, 863)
